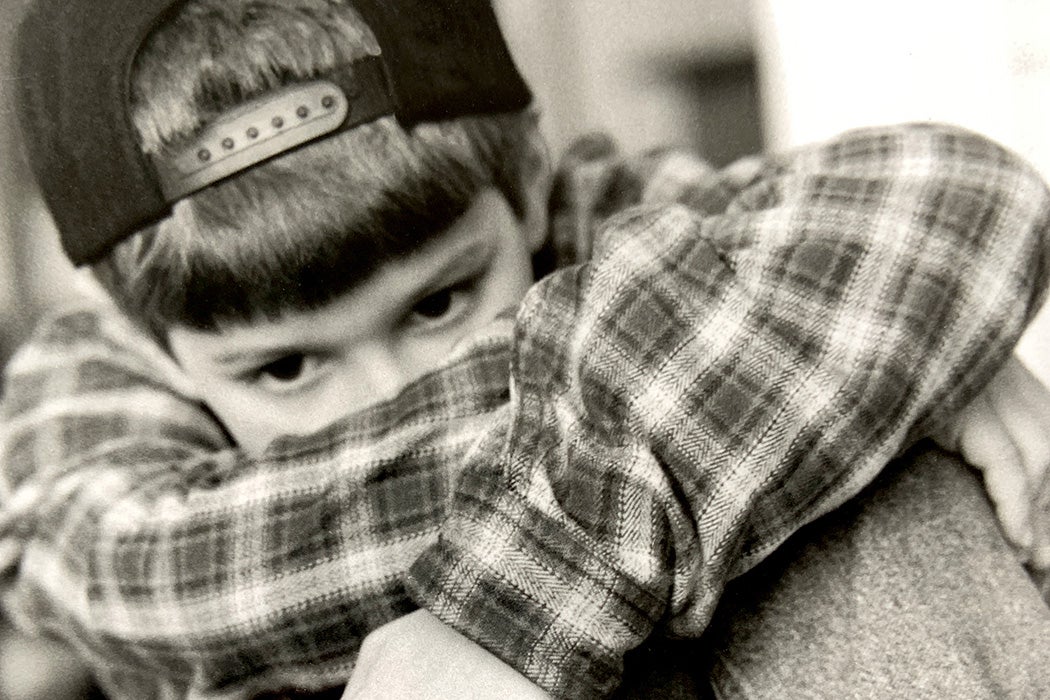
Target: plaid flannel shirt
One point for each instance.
(721, 372)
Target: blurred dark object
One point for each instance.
(722, 91)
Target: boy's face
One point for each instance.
(298, 373)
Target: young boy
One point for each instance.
(362, 267)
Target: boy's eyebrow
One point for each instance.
(468, 257)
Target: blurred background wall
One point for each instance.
(985, 64)
(728, 76)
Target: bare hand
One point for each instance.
(418, 657)
(1005, 433)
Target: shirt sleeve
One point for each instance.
(132, 530)
(711, 381)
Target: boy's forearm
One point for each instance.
(173, 564)
(711, 383)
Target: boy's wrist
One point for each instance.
(565, 628)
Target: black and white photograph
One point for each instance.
(524, 349)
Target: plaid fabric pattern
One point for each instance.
(721, 372)
(711, 380)
(179, 568)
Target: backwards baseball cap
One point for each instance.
(439, 60)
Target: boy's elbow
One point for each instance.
(923, 149)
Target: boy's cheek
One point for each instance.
(252, 426)
(255, 421)
(256, 418)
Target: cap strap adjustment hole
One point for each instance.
(216, 153)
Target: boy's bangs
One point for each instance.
(281, 240)
(299, 231)
(310, 259)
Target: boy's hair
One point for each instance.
(297, 231)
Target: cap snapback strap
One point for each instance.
(275, 123)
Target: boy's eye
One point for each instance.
(287, 374)
(445, 304)
(284, 369)
(434, 306)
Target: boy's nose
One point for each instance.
(380, 374)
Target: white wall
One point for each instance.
(830, 65)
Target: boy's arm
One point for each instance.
(168, 560)
(710, 383)
(175, 566)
